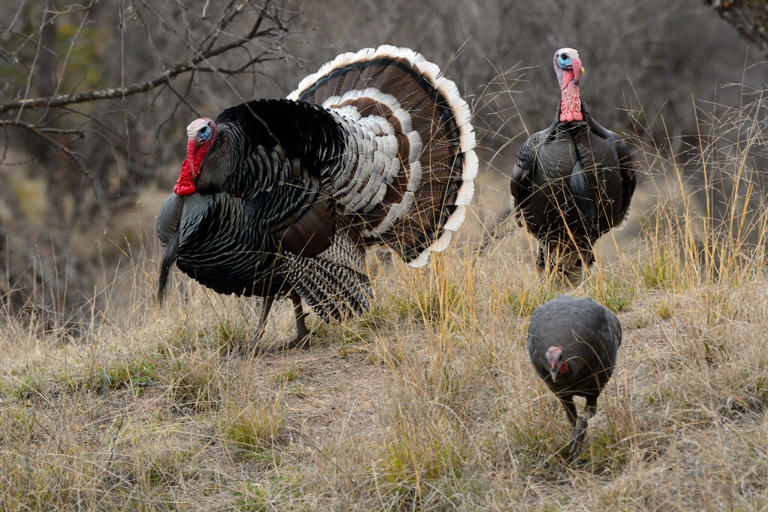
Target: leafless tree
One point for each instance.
(94, 95)
(89, 100)
(750, 17)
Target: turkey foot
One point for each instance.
(579, 433)
(302, 332)
(266, 307)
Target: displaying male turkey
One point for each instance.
(573, 344)
(573, 181)
(281, 197)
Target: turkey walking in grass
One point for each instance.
(573, 344)
(281, 198)
(573, 181)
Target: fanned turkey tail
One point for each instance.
(408, 170)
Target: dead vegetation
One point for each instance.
(426, 403)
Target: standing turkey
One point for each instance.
(573, 344)
(280, 198)
(573, 181)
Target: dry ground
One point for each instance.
(427, 403)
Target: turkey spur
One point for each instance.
(573, 181)
(280, 198)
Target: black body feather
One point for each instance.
(572, 183)
(589, 336)
(374, 150)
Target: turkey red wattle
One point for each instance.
(190, 168)
(570, 99)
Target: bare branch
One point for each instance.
(749, 17)
(164, 78)
(42, 129)
(40, 132)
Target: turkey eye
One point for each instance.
(564, 56)
(205, 132)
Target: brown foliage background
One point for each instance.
(81, 177)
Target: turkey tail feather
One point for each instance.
(409, 167)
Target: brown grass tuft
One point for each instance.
(428, 402)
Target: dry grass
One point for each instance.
(426, 403)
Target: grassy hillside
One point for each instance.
(428, 402)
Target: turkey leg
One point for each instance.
(570, 409)
(266, 307)
(302, 333)
(580, 431)
(541, 261)
(578, 426)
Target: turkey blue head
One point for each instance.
(201, 134)
(568, 66)
(568, 69)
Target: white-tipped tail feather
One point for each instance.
(624, 221)
(469, 169)
(392, 152)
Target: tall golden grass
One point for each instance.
(428, 402)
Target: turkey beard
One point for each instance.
(168, 226)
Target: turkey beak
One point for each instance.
(553, 370)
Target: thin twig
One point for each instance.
(41, 133)
(140, 87)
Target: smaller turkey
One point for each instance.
(573, 181)
(573, 344)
